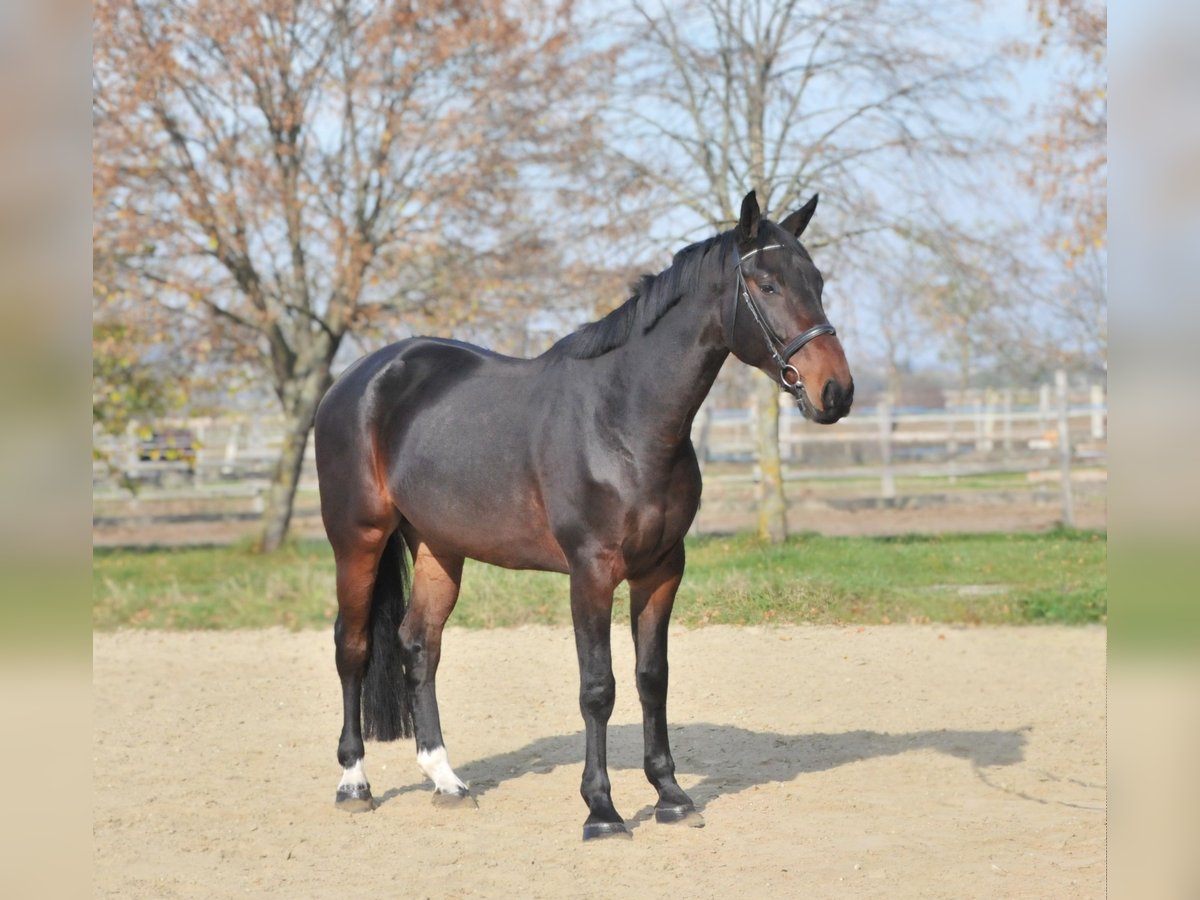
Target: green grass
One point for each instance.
(1058, 576)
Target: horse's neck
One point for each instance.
(669, 370)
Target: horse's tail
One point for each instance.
(386, 706)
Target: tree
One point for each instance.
(895, 319)
(296, 171)
(128, 382)
(854, 99)
(961, 304)
(125, 386)
(1070, 166)
(1069, 170)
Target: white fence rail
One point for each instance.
(234, 457)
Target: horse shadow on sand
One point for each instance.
(732, 759)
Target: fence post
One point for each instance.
(1008, 423)
(989, 421)
(796, 432)
(231, 445)
(1064, 446)
(199, 430)
(1043, 409)
(952, 445)
(1097, 399)
(130, 457)
(785, 429)
(887, 478)
(977, 415)
(752, 423)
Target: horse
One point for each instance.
(577, 461)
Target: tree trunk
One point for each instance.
(298, 421)
(772, 509)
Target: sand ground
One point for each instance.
(891, 761)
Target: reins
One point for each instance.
(781, 352)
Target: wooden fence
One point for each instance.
(1048, 436)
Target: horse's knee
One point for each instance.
(652, 681)
(598, 695)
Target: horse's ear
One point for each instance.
(748, 223)
(798, 221)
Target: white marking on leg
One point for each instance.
(436, 766)
(354, 777)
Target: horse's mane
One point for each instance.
(653, 296)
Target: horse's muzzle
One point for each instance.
(836, 399)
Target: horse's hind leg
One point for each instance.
(651, 598)
(357, 568)
(435, 585)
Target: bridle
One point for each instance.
(781, 352)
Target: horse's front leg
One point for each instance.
(591, 611)
(651, 597)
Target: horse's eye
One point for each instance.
(769, 288)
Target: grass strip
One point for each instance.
(1053, 577)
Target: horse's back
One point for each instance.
(400, 378)
(445, 431)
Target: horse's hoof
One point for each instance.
(355, 799)
(678, 815)
(594, 830)
(455, 800)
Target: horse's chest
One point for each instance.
(663, 512)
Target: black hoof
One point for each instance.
(455, 800)
(355, 799)
(594, 830)
(678, 815)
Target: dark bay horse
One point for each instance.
(579, 461)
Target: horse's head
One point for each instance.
(776, 322)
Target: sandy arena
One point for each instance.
(888, 761)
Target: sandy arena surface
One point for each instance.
(889, 761)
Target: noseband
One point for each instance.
(779, 351)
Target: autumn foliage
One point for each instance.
(1070, 168)
(286, 173)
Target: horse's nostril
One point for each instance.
(836, 397)
(829, 394)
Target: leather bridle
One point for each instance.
(781, 352)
